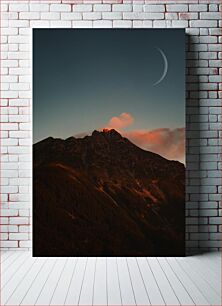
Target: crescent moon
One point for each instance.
(165, 67)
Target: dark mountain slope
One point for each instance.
(103, 196)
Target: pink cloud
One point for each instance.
(170, 143)
(120, 122)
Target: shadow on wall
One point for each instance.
(193, 142)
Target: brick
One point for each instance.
(19, 102)
(3, 220)
(180, 23)
(82, 24)
(71, 16)
(187, 16)
(147, 24)
(8, 228)
(18, 7)
(18, 236)
(18, 23)
(4, 236)
(9, 142)
(208, 205)
(18, 149)
(177, 8)
(39, 24)
(60, 24)
(171, 16)
(135, 15)
(37, 7)
(154, 8)
(208, 165)
(208, 212)
(102, 24)
(9, 126)
(9, 173)
(102, 7)
(203, 23)
(9, 94)
(138, 23)
(208, 15)
(215, 236)
(137, 7)
(82, 7)
(213, 7)
(9, 212)
(19, 71)
(25, 244)
(18, 118)
(197, 7)
(112, 15)
(9, 31)
(24, 229)
(8, 244)
(18, 220)
(24, 212)
(93, 15)
(199, 236)
(9, 63)
(122, 7)
(51, 16)
(4, 7)
(60, 8)
(122, 23)
(162, 24)
(215, 63)
(29, 15)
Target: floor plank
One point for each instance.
(5, 255)
(11, 262)
(139, 288)
(181, 292)
(60, 293)
(213, 279)
(86, 294)
(36, 286)
(208, 292)
(13, 269)
(49, 287)
(150, 282)
(113, 285)
(17, 278)
(100, 284)
(188, 283)
(165, 287)
(210, 260)
(126, 288)
(75, 286)
(22, 288)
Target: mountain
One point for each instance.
(101, 195)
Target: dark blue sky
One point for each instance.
(83, 77)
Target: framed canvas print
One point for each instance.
(108, 142)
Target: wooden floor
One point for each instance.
(193, 280)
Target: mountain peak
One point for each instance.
(111, 132)
(107, 133)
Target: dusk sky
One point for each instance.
(87, 79)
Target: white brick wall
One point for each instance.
(201, 20)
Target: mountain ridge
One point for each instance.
(102, 188)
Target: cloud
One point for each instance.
(170, 143)
(122, 121)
